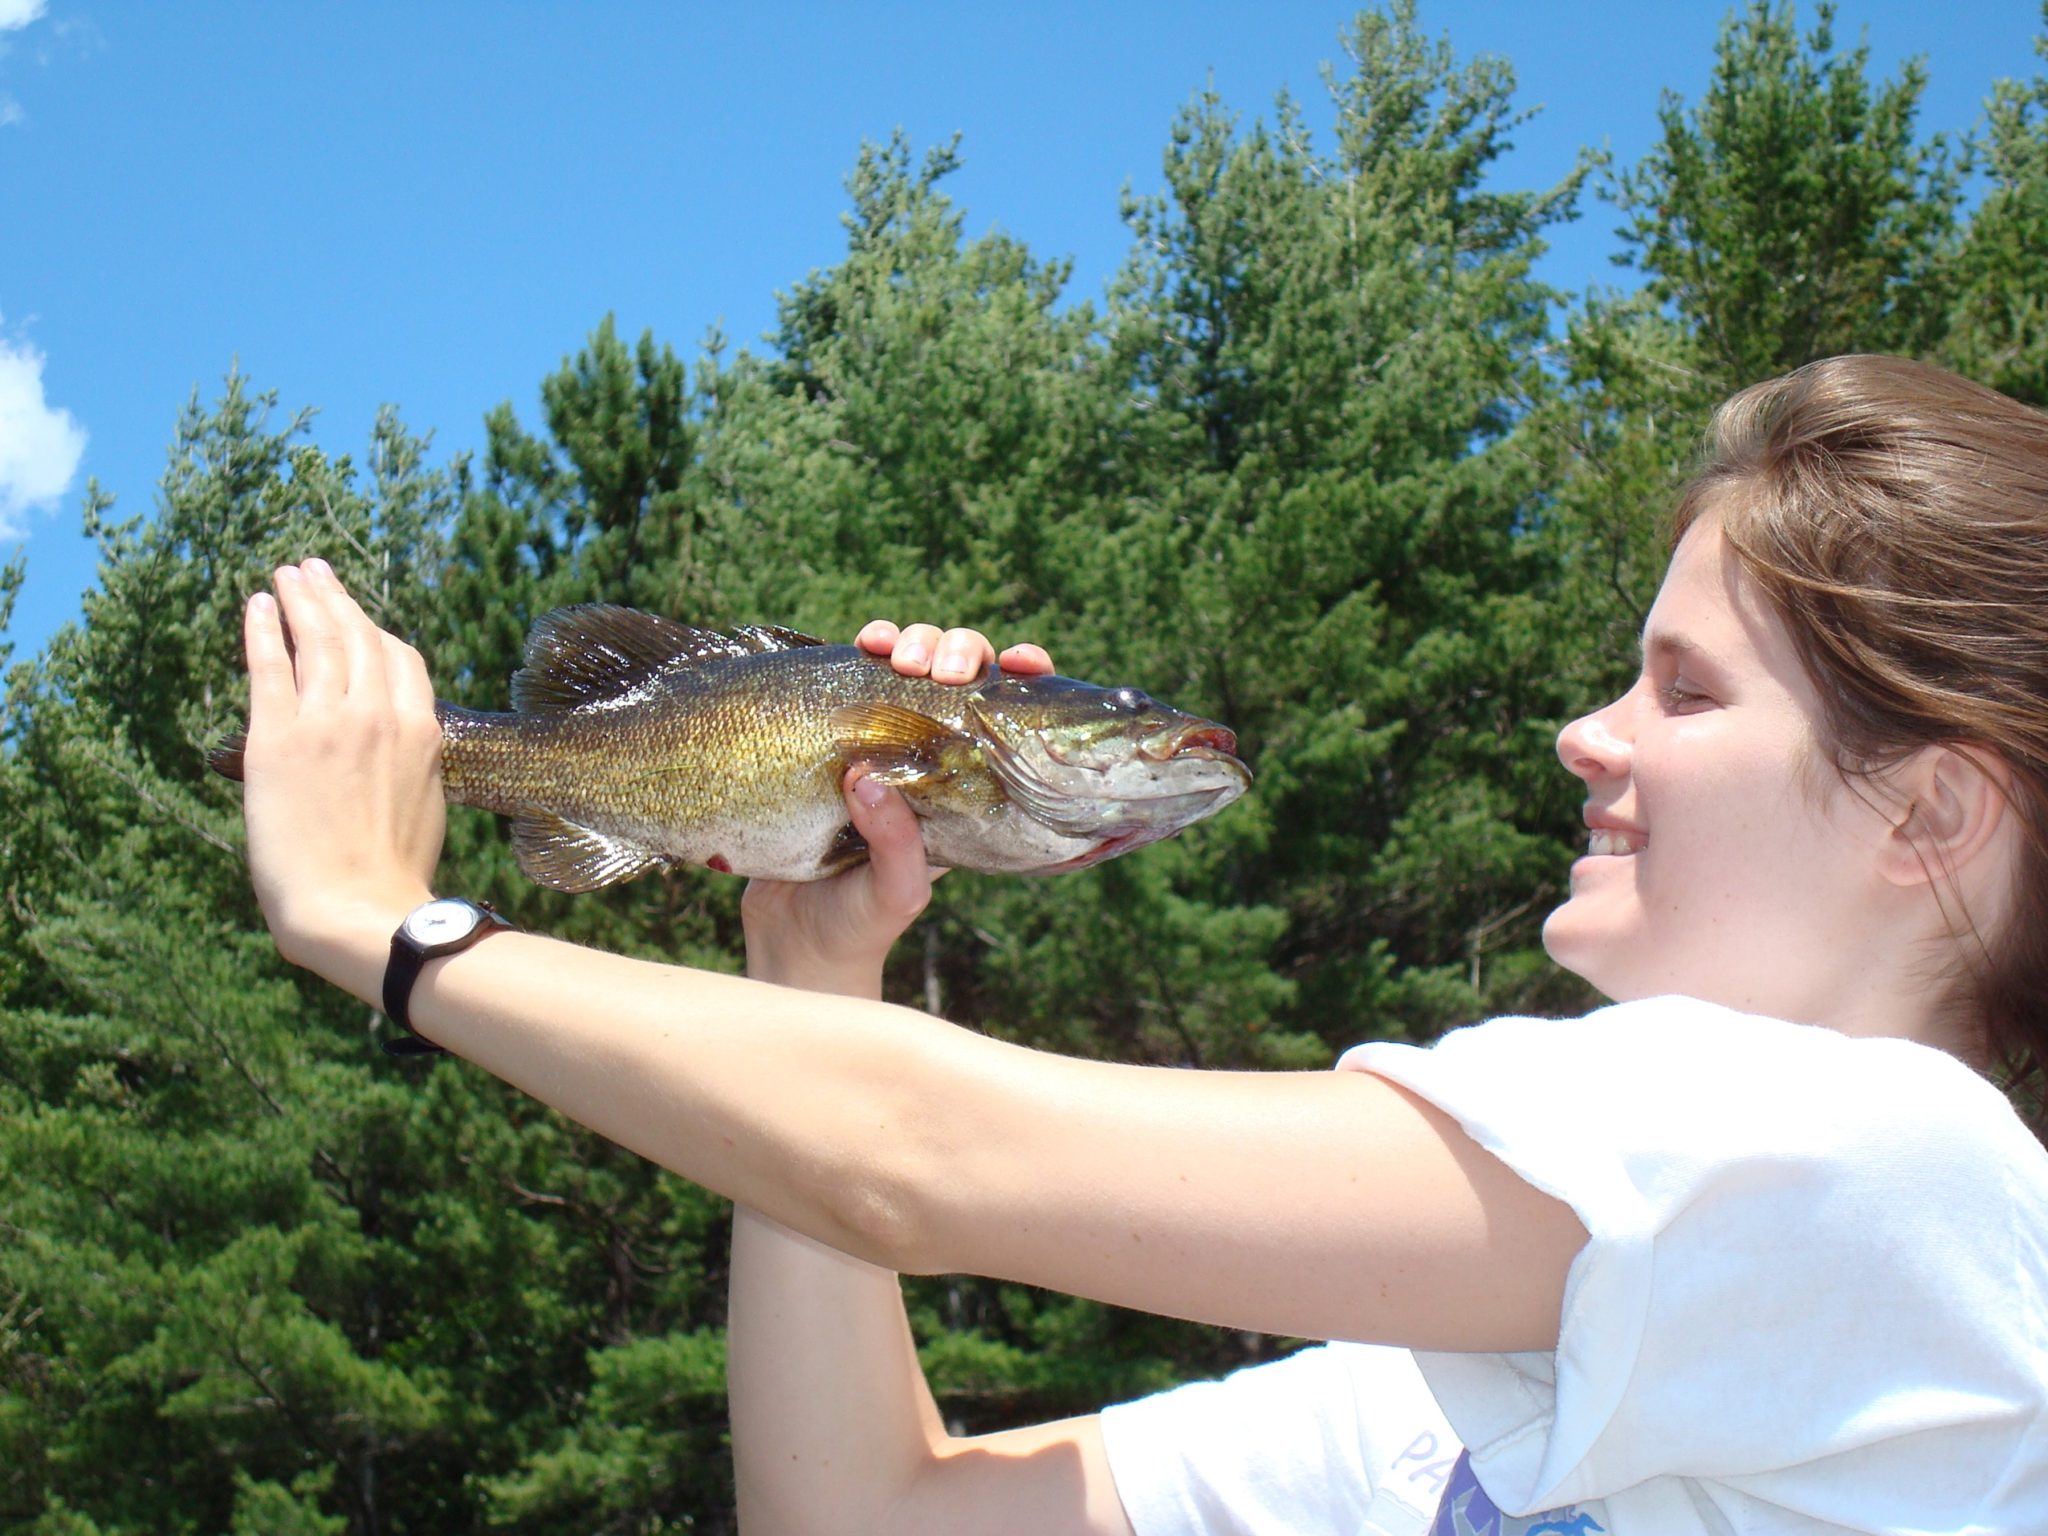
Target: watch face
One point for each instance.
(439, 920)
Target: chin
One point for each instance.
(1592, 957)
(1562, 943)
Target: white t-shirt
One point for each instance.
(1811, 1300)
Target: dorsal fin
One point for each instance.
(773, 637)
(590, 652)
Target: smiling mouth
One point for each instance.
(1604, 842)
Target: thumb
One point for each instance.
(902, 883)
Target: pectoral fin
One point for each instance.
(558, 853)
(900, 746)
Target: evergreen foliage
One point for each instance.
(1327, 462)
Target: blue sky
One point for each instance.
(432, 204)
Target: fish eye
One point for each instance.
(1126, 698)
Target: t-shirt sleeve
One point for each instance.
(1342, 1439)
(1800, 1257)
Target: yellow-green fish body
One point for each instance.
(635, 742)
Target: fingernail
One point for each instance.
(261, 604)
(868, 792)
(911, 655)
(289, 573)
(320, 567)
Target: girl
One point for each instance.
(1758, 1248)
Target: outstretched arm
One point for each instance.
(1327, 1205)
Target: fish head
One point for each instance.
(1111, 764)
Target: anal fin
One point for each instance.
(558, 853)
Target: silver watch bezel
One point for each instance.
(423, 924)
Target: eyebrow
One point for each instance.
(1666, 642)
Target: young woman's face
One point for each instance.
(1724, 859)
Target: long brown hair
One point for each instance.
(1897, 518)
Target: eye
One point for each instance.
(1679, 699)
(1122, 699)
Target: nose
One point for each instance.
(1597, 745)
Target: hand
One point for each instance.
(341, 776)
(833, 935)
(956, 656)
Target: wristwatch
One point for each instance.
(438, 927)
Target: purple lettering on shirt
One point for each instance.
(1424, 1462)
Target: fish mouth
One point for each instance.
(1202, 740)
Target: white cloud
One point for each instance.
(10, 111)
(39, 447)
(15, 14)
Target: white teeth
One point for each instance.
(1602, 842)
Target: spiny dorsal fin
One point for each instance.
(773, 637)
(560, 854)
(594, 651)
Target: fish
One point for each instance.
(636, 742)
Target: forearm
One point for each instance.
(831, 1417)
(790, 1102)
(834, 1429)
(832, 1423)
(1317, 1204)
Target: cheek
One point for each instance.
(1739, 824)
(1711, 810)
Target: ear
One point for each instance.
(1955, 800)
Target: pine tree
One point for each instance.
(1997, 324)
(1792, 213)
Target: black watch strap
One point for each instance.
(409, 955)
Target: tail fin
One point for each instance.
(226, 759)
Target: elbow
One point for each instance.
(887, 1205)
(883, 1180)
(873, 1217)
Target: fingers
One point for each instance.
(361, 641)
(271, 694)
(412, 696)
(963, 655)
(331, 645)
(317, 654)
(912, 655)
(1026, 660)
(946, 656)
(877, 637)
(406, 675)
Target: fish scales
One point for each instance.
(730, 759)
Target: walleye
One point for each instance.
(636, 742)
